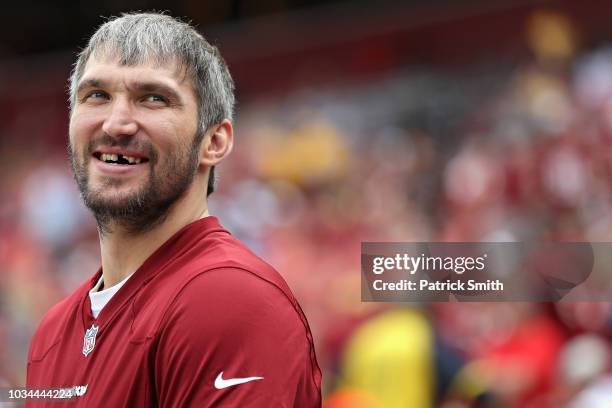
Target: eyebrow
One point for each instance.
(144, 87)
(90, 83)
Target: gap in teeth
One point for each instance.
(114, 158)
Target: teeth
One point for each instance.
(109, 157)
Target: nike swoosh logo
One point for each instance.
(220, 383)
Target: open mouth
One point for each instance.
(119, 159)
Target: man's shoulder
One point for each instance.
(233, 285)
(235, 303)
(226, 253)
(217, 265)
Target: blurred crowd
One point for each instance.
(497, 151)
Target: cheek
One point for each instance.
(82, 128)
(169, 133)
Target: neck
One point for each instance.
(124, 252)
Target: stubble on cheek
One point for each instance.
(79, 167)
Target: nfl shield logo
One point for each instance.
(89, 341)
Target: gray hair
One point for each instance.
(136, 38)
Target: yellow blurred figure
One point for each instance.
(551, 35)
(390, 357)
(313, 153)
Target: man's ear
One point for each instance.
(217, 143)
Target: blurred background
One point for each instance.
(356, 121)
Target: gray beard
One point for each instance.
(146, 208)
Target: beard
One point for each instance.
(145, 206)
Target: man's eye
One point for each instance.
(96, 95)
(155, 98)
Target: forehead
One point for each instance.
(108, 69)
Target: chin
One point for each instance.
(119, 198)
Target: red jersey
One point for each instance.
(203, 322)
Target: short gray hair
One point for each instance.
(135, 38)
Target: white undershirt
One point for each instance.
(100, 299)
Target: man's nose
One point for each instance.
(120, 121)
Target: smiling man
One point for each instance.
(180, 313)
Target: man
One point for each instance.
(180, 313)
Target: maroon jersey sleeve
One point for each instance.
(233, 339)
